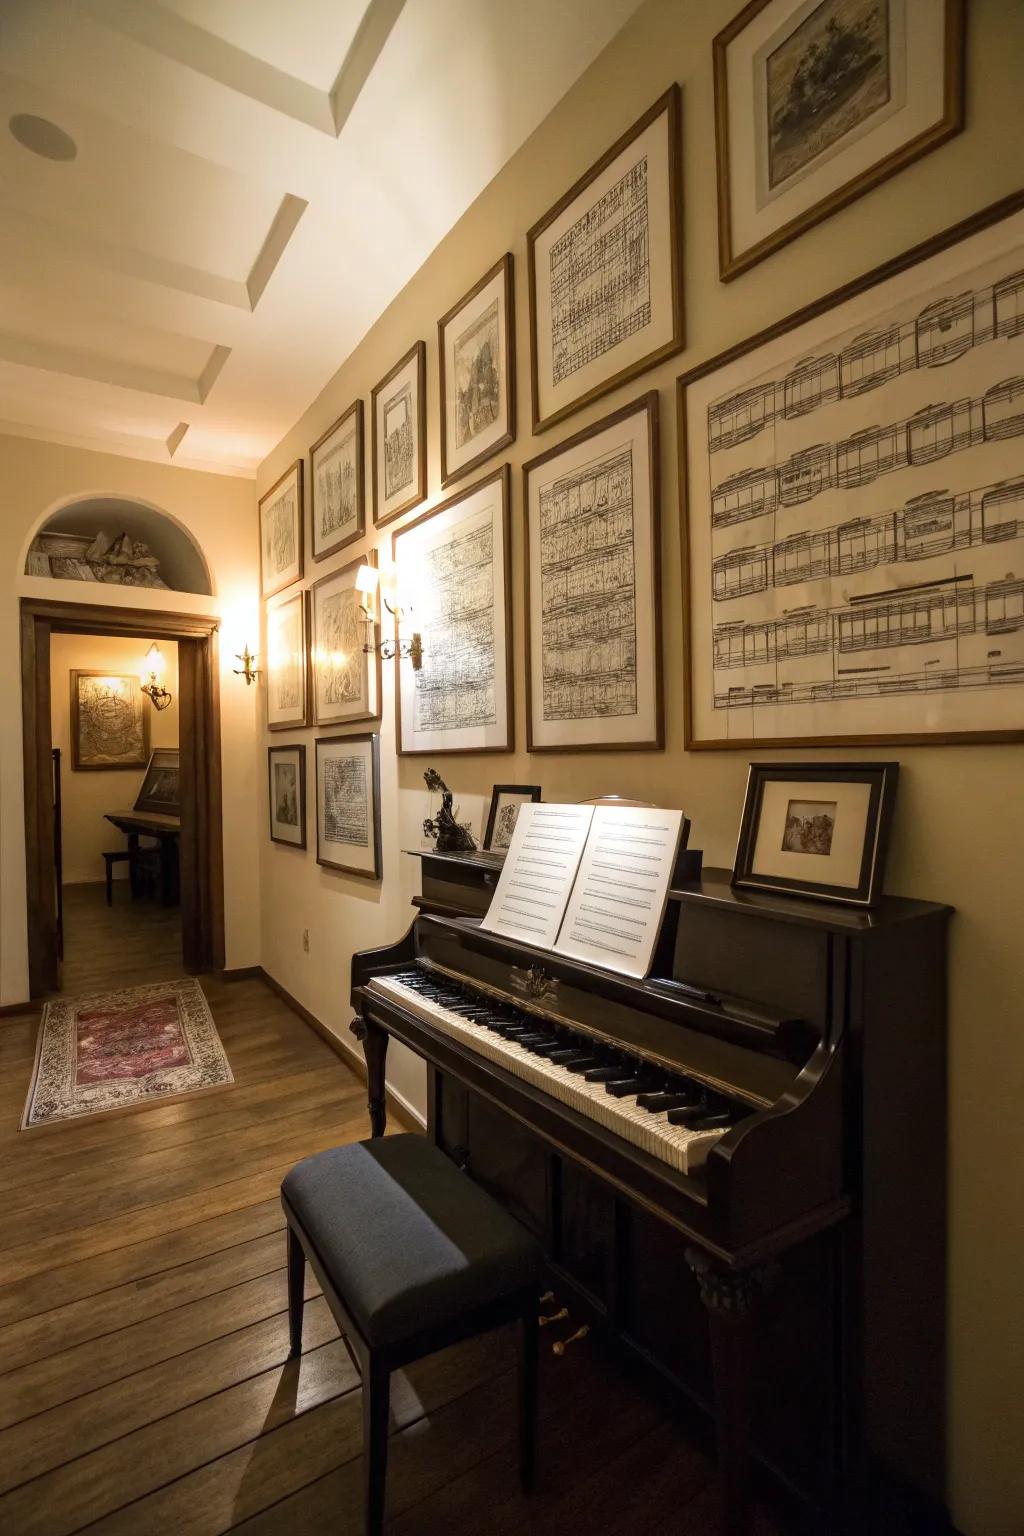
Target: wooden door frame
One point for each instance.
(202, 862)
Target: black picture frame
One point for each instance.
(153, 796)
(298, 751)
(531, 793)
(881, 779)
(320, 745)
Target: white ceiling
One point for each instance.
(255, 181)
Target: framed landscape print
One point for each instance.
(287, 664)
(109, 721)
(476, 353)
(453, 572)
(286, 767)
(399, 410)
(817, 101)
(281, 532)
(346, 680)
(853, 486)
(161, 788)
(348, 804)
(337, 484)
(593, 587)
(501, 818)
(605, 271)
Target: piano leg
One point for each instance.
(374, 1041)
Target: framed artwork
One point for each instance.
(286, 768)
(337, 485)
(346, 680)
(109, 721)
(853, 486)
(281, 532)
(287, 664)
(348, 804)
(817, 101)
(476, 342)
(161, 788)
(605, 271)
(453, 574)
(593, 587)
(501, 818)
(817, 829)
(399, 410)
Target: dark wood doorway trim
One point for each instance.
(202, 865)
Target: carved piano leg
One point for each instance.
(375, 1049)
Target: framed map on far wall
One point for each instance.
(281, 532)
(346, 679)
(605, 271)
(399, 409)
(348, 804)
(817, 101)
(476, 353)
(109, 721)
(337, 495)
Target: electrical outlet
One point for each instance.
(305, 940)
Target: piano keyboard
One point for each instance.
(450, 1008)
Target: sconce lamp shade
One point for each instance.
(154, 667)
(367, 579)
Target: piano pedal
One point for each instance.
(548, 1296)
(560, 1346)
(552, 1317)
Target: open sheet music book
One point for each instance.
(588, 881)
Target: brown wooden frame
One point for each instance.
(300, 748)
(502, 473)
(732, 263)
(373, 737)
(307, 718)
(355, 408)
(201, 839)
(649, 403)
(370, 558)
(670, 103)
(295, 469)
(76, 763)
(418, 350)
(505, 266)
(972, 225)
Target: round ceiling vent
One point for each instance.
(43, 137)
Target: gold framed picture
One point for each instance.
(287, 651)
(337, 496)
(281, 546)
(346, 678)
(476, 343)
(399, 411)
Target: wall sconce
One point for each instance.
(151, 677)
(248, 669)
(367, 584)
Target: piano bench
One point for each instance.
(411, 1256)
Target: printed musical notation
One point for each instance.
(536, 878)
(454, 690)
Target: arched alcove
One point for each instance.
(180, 563)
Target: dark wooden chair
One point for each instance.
(411, 1256)
(143, 866)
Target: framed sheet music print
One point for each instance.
(348, 804)
(453, 575)
(287, 664)
(346, 679)
(337, 490)
(399, 410)
(281, 532)
(593, 587)
(476, 343)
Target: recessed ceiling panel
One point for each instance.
(312, 46)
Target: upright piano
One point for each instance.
(736, 1166)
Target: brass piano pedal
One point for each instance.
(560, 1346)
(552, 1317)
(548, 1296)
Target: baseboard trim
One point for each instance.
(241, 973)
(10, 1010)
(398, 1104)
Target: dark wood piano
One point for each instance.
(737, 1167)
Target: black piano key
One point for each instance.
(567, 1054)
(625, 1087)
(662, 1100)
(713, 1120)
(687, 1115)
(549, 1049)
(582, 1064)
(603, 1074)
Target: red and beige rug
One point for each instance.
(115, 1050)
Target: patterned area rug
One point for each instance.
(118, 1049)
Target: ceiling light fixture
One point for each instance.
(42, 137)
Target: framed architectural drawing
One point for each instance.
(287, 664)
(346, 679)
(854, 508)
(281, 532)
(593, 588)
(286, 767)
(476, 342)
(817, 101)
(605, 270)
(348, 804)
(337, 485)
(399, 409)
(109, 721)
(453, 575)
(501, 818)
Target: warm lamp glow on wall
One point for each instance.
(367, 585)
(249, 670)
(151, 676)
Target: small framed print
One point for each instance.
(286, 767)
(337, 498)
(605, 271)
(109, 721)
(287, 664)
(346, 679)
(817, 101)
(501, 818)
(281, 532)
(399, 410)
(817, 829)
(348, 804)
(476, 355)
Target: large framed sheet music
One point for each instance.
(854, 509)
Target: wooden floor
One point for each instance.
(144, 1384)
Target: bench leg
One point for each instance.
(296, 1287)
(527, 1395)
(110, 882)
(376, 1395)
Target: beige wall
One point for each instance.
(959, 833)
(217, 510)
(87, 795)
